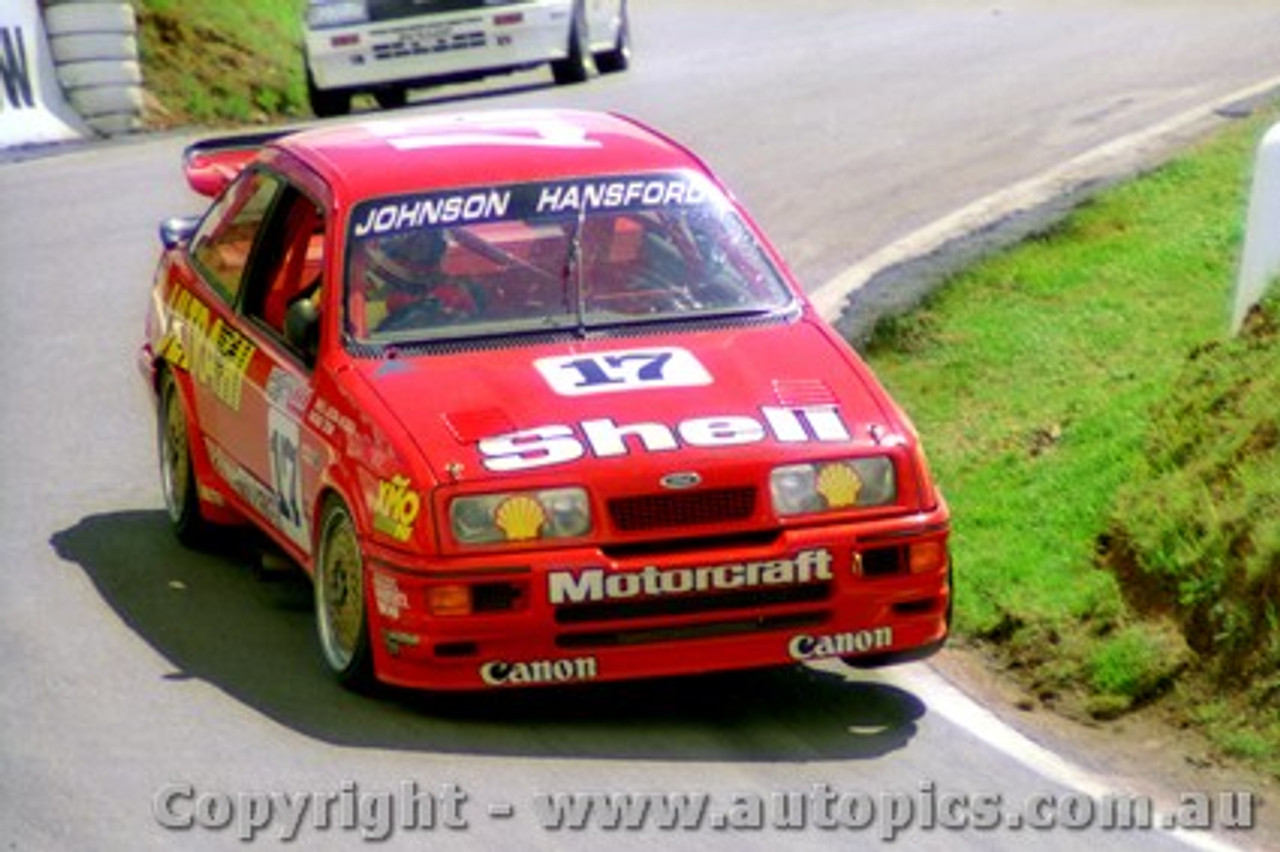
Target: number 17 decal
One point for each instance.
(286, 477)
(626, 370)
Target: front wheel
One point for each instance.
(341, 618)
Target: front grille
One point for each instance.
(687, 509)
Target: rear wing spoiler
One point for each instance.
(211, 164)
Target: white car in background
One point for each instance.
(386, 47)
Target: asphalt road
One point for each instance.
(139, 676)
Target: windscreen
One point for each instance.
(525, 258)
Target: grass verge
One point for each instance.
(1109, 458)
(222, 62)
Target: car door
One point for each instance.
(261, 249)
(277, 455)
(203, 306)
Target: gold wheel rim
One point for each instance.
(340, 588)
(174, 454)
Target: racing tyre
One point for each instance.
(94, 47)
(341, 618)
(111, 72)
(327, 103)
(396, 97)
(106, 100)
(71, 18)
(618, 59)
(177, 473)
(576, 67)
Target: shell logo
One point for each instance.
(840, 485)
(521, 518)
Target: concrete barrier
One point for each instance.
(32, 108)
(1260, 260)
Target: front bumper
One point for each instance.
(574, 616)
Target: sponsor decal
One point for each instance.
(286, 391)
(327, 419)
(278, 504)
(595, 585)
(259, 497)
(620, 195)
(502, 673)
(461, 208)
(633, 369)
(15, 70)
(283, 442)
(526, 201)
(387, 595)
(396, 508)
(216, 355)
(606, 438)
(805, 647)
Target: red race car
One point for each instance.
(533, 401)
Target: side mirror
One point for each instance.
(302, 327)
(178, 230)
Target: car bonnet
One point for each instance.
(778, 391)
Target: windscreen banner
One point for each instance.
(32, 110)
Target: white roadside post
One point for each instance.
(1260, 260)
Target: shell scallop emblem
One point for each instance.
(840, 485)
(520, 518)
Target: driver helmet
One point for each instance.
(408, 261)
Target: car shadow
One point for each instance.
(216, 616)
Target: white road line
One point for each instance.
(1115, 158)
(945, 699)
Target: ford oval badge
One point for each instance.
(681, 481)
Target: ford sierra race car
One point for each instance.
(532, 401)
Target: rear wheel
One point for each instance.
(576, 67)
(341, 619)
(327, 103)
(177, 472)
(396, 97)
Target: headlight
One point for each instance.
(520, 516)
(802, 489)
(321, 14)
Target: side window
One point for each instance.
(225, 239)
(287, 266)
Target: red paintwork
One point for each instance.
(365, 421)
